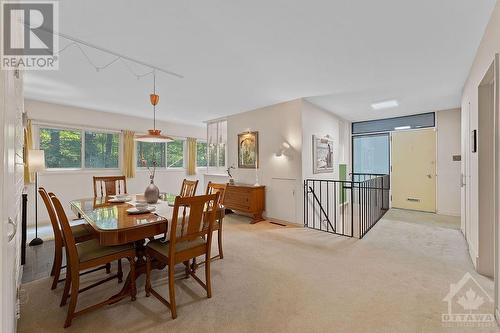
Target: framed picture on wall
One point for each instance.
(248, 150)
(322, 154)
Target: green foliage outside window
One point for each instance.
(201, 154)
(175, 154)
(222, 154)
(63, 148)
(151, 151)
(212, 155)
(101, 150)
(217, 155)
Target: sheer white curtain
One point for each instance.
(216, 144)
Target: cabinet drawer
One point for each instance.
(236, 197)
(237, 206)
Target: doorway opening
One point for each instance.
(381, 146)
(485, 149)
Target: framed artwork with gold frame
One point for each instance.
(248, 150)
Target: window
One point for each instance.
(101, 150)
(77, 148)
(222, 154)
(201, 154)
(63, 148)
(393, 124)
(371, 153)
(217, 139)
(175, 154)
(212, 155)
(166, 155)
(151, 151)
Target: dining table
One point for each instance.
(111, 223)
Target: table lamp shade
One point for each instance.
(36, 160)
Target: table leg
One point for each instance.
(140, 268)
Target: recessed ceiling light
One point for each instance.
(385, 105)
(402, 127)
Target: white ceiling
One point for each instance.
(240, 55)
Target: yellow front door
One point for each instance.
(413, 176)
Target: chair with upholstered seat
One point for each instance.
(87, 255)
(190, 236)
(188, 188)
(80, 233)
(109, 185)
(221, 189)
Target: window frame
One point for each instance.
(217, 165)
(166, 167)
(141, 168)
(184, 140)
(206, 153)
(36, 144)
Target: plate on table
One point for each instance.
(119, 198)
(141, 210)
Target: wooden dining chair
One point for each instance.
(221, 189)
(84, 256)
(190, 236)
(109, 185)
(80, 233)
(188, 188)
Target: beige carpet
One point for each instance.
(277, 279)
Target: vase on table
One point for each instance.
(152, 192)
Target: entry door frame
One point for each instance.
(496, 108)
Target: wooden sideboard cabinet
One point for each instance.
(247, 199)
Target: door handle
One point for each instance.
(429, 176)
(11, 236)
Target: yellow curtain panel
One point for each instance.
(28, 145)
(191, 160)
(128, 166)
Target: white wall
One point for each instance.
(282, 176)
(69, 185)
(448, 171)
(485, 56)
(294, 122)
(319, 122)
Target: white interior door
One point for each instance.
(280, 194)
(11, 138)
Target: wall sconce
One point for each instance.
(284, 149)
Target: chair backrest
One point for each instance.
(188, 188)
(217, 188)
(109, 185)
(69, 239)
(196, 219)
(58, 240)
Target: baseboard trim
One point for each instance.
(448, 213)
(473, 256)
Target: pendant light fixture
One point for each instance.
(154, 135)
